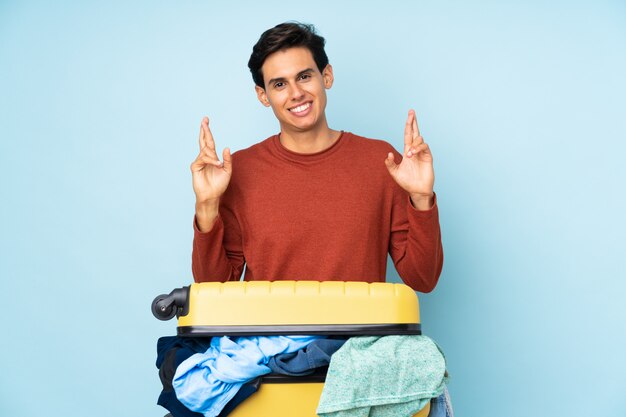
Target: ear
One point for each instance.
(262, 96)
(328, 76)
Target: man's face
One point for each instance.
(295, 89)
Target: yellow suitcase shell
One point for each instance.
(288, 400)
(299, 307)
(291, 307)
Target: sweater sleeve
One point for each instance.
(415, 244)
(216, 257)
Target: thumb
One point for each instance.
(390, 163)
(228, 162)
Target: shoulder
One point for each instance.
(251, 163)
(366, 156)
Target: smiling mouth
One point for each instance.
(301, 108)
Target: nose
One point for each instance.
(296, 92)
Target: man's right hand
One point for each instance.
(210, 178)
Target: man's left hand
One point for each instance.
(415, 173)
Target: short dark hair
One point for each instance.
(283, 36)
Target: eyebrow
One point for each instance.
(283, 79)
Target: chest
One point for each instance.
(314, 201)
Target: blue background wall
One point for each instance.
(523, 106)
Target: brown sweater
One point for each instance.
(327, 216)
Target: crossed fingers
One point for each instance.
(413, 140)
(208, 153)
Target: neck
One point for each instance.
(309, 141)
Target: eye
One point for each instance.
(279, 84)
(305, 76)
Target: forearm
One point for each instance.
(209, 261)
(206, 214)
(416, 248)
(422, 263)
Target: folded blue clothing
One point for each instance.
(168, 363)
(306, 360)
(166, 343)
(244, 392)
(206, 382)
(441, 406)
(173, 350)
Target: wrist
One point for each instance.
(422, 201)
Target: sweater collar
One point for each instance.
(285, 153)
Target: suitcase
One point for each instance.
(290, 308)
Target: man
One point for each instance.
(313, 203)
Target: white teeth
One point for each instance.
(300, 108)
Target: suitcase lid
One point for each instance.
(299, 307)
